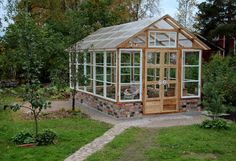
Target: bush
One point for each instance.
(214, 124)
(46, 137)
(23, 137)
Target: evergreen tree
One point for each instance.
(217, 18)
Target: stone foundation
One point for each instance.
(118, 110)
(129, 109)
(190, 104)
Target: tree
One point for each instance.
(185, 12)
(29, 39)
(143, 8)
(217, 18)
(219, 84)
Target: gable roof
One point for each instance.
(111, 37)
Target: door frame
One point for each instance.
(161, 93)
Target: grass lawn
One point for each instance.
(188, 143)
(72, 132)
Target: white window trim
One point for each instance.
(140, 84)
(70, 70)
(155, 46)
(93, 79)
(199, 73)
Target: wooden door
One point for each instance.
(161, 81)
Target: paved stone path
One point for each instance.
(155, 121)
(97, 144)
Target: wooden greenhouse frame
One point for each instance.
(148, 66)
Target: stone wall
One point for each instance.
(190, 104)
(126, 110)
(118, 110)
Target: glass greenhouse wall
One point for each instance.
(148, 66)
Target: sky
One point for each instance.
(167, 7)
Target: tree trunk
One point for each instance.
(73, 100)
(36, 123)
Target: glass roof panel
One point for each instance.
(162, 24)
(185, 42)
(110, 37)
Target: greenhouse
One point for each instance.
(143, 67)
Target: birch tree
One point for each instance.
(185, 12)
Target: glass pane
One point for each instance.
(111, 92)
(152, 39)
(170, 58)
(137, 59)
(130, 92)
(185, 42)
(162, 39)
(125, 79)
(153, 58)
(90, 86)
(150, 74)
(191, 73)
(136, 78)
(170, 90)
(111, 59)
(89, 58)
(99, 88)
(163, 25)
(190, 89)
(153, 91)
(153, 74)
(170, 74)
(99, 58)
(80, 58)
(125, 59)
(99, 73)
(191, 58)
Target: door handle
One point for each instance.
(160, 82)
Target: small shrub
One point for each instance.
(23, 137)
(214, 124)
(46, 137)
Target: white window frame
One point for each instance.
(167, 32)
(93, 65)
(199, 73)
(140, 76)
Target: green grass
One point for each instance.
(72, 133)
(189, 143)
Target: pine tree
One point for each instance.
(217, 18)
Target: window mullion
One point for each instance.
(105, 74)
(94, 73)
(85, 70)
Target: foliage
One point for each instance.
(23, 137)
(214, 124)
(217, 18)
(74, 132)
(219, 84)
(46, 137)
